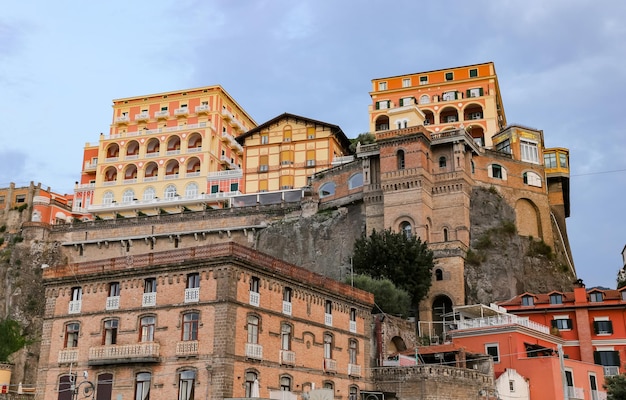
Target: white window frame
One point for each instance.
(497, 346)
(406, 82)
(382, 85)
(529, 151)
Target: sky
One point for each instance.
(560, 65)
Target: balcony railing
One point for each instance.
(255, 299)
(287, 357)
(148, 351)
(192, 174)
(504, 319)
(90, 165)
(124, 119)
(354, 370)
(149, 299)
(203, 109)
(328, 319)
(282, 395)
(192, 295)
(161, 114)
(287, 307)
(68, 356)
(187, 348)
(575, 393)
(611, 370)
(353, 326)
(181, 111)
(194, 149)
(172, 152)
(330, 365)
(142, 116)
(171, 176)
(75, 306)
(113, 303)
(254, 351)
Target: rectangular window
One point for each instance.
(147, 329)
(110, 332)
(193, 280)
(20, 198)
(263, 185)
(287, 135)
(451, 95)
(253, 329)
(595, 297)
(423, 80)
(234, 187)
(476, 92)
(407, 101)
(215, 188)
(149, 285)
(493, 350)
(382, 85)
(310, 132)
(406, 82)
(556, 299)
(530, 151)
(549, 160)
(603, 327)
(1, 199)
(186, 385)
(264, 164)
(563, 160)
(511, 386)
(449, 76)
(383, 104)
(527, 300)
(473, 72)
(606, 358)
(71, 335)
(562, 323)
(190, 326)
(265, 138)
(310, 158)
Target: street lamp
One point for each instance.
(86, 387)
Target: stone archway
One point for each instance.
(527, 219)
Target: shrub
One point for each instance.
(483, 242)
(3, 228)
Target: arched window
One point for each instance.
(148, 324)
(142, 386)
(252, 384)
(253, 329)
(109, 335)
(108, 197)
(65, 386)
(285, 383)
(128, 196)
(353, 393)
(445, 234)
(355, 181)
(438, 274)
(186, 381)
(400, 159)
(285, 337)
(407, 229)
(149, 194)
(71, 334)
(497, 172)
(170, 192)
(191, 190)
(104, 386)
(329, 385)
(531, 179)
(327, 189)
(328, 346)
(424, 99)
(353, 347)
(442, 162)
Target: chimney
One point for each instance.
(580, 293)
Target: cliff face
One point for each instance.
(502, 264)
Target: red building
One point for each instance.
(592, 323)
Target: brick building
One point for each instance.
(220, 321)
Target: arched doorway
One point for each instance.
(441, 311)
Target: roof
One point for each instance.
(335, 129)
(568, 298)
(436, 70)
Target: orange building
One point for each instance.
(521, 346)
(285, 151)
(216, 321)
(453, 98)
(165, 152)
(42, 205)
(592, 323)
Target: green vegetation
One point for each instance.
(539, 249)
(3, 228)
(615, 387)
(387, 296)
(405, 261)
(363, 138)
(12, 338)
(17, 239)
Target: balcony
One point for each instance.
(90, 166)
(254, 351)
(354, 370)
(353, 326)
(172, 152)
(161, 114)
(75, 306)
(282, 395)
(203, 109)
(330, 365)
(124, 354)
(181, 112)
(113, 303)
(328, 319)
(287, 357)
(68, 356)
(228, 116)
(192, 174)
(192, 295)
(194, 149)
(171, 176)
(144, 116)
(124, 119)
(575, 393)
(187, 348)
(255, 299)
(149, 299)
(502, 319)
(287, 307)
(611, 370)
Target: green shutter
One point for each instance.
(456, 95)
(480, 91)
(378, 105)
(596, 358)
(388, 103)
(467, 94)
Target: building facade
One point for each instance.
(282, 153)
(217, 321)
(591, 322)
(165, 152)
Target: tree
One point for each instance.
(363, 138)
(615, 387)
(12, 338)
(387, 296)
(404, 260)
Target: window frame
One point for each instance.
(110, 329)
(147, 327)
(496, 356)
(72, 332)
(187, 384)
(142, 387)
(190, 326)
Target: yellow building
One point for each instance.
(283, 152)
(166, 152)
(462, 97)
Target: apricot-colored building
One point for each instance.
(285, 151)
(41, 205)
(218, 321)
(165, 152)
(591, 322)
(528, 348)
(467, 96)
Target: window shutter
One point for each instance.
(553, 323)
(480, 91)
(569, 323)
(456, 95)
(615, 358)
(378, 105)
(595, 327)
(610, 326)
(467, 94)
(596, 358)
(401, 102)
(388, 103)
